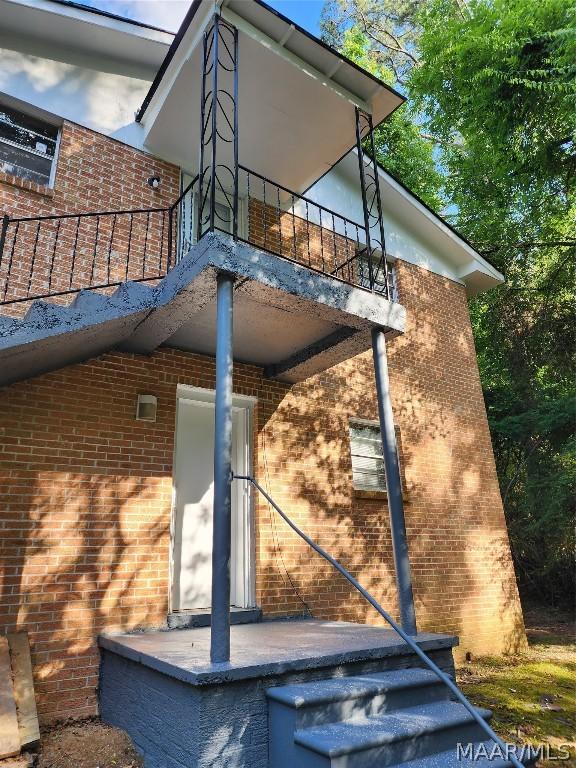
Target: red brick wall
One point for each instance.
(307, 243)
(94, 173)
(87, 495)
(86, 490)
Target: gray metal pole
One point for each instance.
(222, 517)
(393, 484)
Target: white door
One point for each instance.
(194, 488)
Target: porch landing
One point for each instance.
(183, 712)
(266, 648)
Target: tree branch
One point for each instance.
(396, 46)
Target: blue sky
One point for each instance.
(168, 14)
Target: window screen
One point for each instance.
(367, 462)
(27, 145)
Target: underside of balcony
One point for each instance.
(288, 318)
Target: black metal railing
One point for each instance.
(59, 254)
(298, 228)
(277, 219)
(410, 641)
(42, 256)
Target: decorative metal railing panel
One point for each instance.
(219, 128)
(376, 261)
(55, 255)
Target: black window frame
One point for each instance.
(15, 120)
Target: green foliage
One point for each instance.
(399, 144)
(492, 87)
(389, 27)
(498, 88)
(504, 78)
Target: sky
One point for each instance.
(168, 14)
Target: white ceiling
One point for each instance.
(295, 121)
(61, 27)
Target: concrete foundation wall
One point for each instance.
(177, 725)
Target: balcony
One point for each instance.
(49, 256)
(310, 283)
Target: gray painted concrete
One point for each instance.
(138, 319)
(385, 739)
(388, 718)
(264, 649)
(50, 336)
(183, 712)
(451, 759)
(200, 618)
(297, 694)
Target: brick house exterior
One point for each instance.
(87, 490)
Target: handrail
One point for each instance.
(57, 254)
(407, 639)
(302, 197)
(84, 214)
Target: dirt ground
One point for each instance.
(87, 744)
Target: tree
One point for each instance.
(389, 27)
(398, 142)
(492, 86)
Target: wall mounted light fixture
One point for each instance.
(154, 182)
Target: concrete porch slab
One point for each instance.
(265, 649)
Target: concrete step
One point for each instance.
(8, 325)
(388, 739)
(328, 701)
(46, 314)
(483, 754)
(89, 301)
(132, 292)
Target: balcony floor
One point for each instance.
(288, 318)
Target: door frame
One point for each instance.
(243, 581)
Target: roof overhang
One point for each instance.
(67, 27)
(443, 249)
(296, 96)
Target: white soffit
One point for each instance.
(68, 28)
(296, 98)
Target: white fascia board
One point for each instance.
(95, 19)
(181, 56)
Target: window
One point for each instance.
(367, 463)
(379, 275)
(188, 215)
(27, 146)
